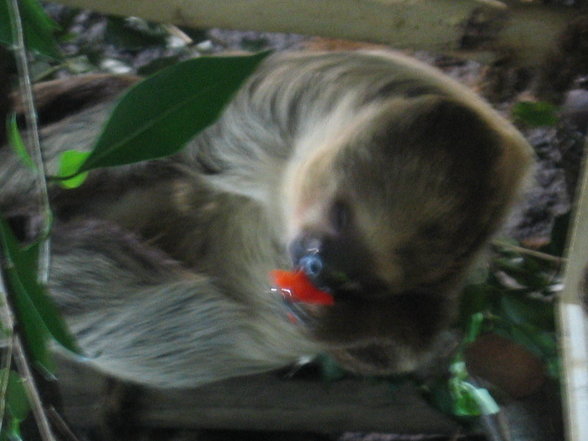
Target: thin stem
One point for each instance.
(26, 89)
(61, 426)
(7, 323)
(538, 254)
(177, 32)
(33, 138)
(32, 391)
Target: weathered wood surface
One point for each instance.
(573, 319)
(264, 402)
(527, 29)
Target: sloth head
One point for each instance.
(387, 211)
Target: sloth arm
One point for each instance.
(113, 289)
(111, 283)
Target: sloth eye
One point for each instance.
(340, 216)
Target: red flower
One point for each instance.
(297, 287)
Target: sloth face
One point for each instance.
(389, 215)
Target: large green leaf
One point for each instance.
(35, 312)
(160, 115)
(38, 28)
(28, 317)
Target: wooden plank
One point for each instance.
(526, 29)
(573, 321)
(264, 402)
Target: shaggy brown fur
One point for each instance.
(392, 173)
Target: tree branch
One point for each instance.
(33, 140)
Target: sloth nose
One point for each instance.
(305, 252)
(312, 265)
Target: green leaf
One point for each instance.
(36, 332)
(16, 397)
(553, 367)
(27, 316)
(474, 327)
(469, 400)
(70, 162)
(5, 23)
(16, 142)
(541, 343)
(473, 401)
(34, 310)
(521, 310)
(535, 114)
(157, 117)
(475, 299)
(464, 404)
(538, 341)
(458, 368)
(11, 432)
(439, 395)
(38, 28)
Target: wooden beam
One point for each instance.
(527, 29)
(573, 320)
(264, 402)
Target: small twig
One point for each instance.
(496, 427)
(8, 326)
(177, 32)
(538, 254)
(33, 138)
(4, 381)
(61, 426)
(32, 391)
(20, 357)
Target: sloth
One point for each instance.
(388, 175)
